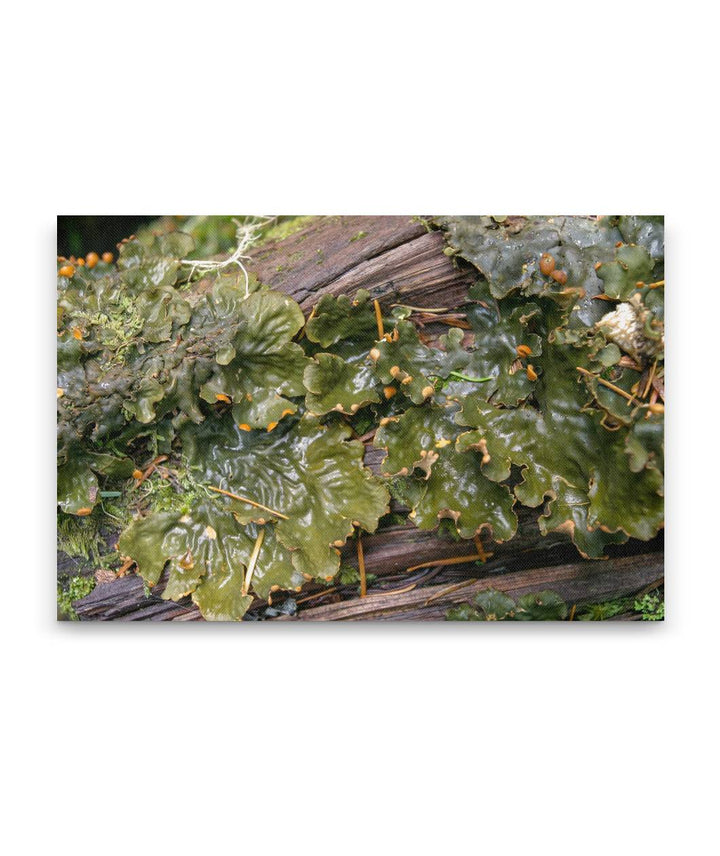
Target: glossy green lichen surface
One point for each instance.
(551, 398)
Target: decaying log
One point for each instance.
(587, 582)
(577, 583)
(399, 261)
(388, 553)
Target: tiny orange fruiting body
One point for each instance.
(66, 270)
(389, 391)
(523, 351)
(107, 258)
(243, 426)
(559, 276)
(531, 373)
(222, 397)
(547, 264)
(91, 259)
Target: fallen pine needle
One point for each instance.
(249, 501)
(316, 595)
(398, 590)
(361, 564)
(449, 590)
(423, 578)
(253, 561)
(429, 310)
(378, 318)
(650, 379)
(609, 385)
(455, 560)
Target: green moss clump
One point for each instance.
(285, 227)
(79, 537)
(73, 590)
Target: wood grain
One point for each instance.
(578, 583)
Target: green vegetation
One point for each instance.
(220, 428)
(493, 605)
(74, 589)
(651, 607)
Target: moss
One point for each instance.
(72, 590)
(79, 537)
(605, 610)
(285, 227)
(651, 607)
(116, 329)
(358, 237)
(179, 495)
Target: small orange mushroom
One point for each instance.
(66, 270)
(91, 259)
(108, 258)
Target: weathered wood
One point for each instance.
(587, 582)
(387, 554)
(398, 260)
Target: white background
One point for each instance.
(358, 739)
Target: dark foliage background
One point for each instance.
(79, 235)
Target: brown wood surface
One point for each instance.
(398, 260)
(576, 583)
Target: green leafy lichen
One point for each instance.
(493, 605)
(558, 379)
